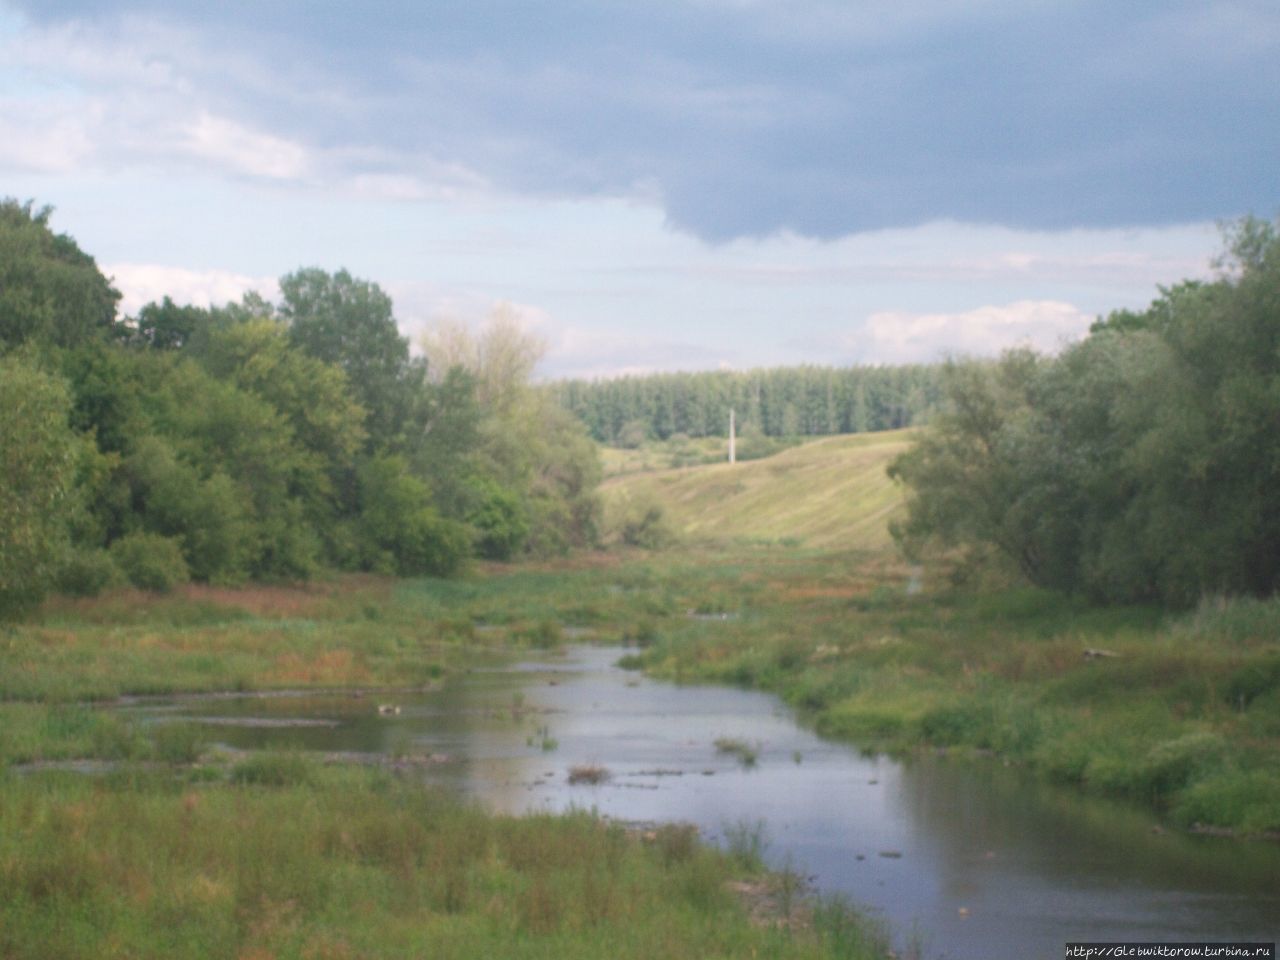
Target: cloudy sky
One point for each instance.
(657, 184)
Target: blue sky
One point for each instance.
(657, 185)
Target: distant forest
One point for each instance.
(777, 402)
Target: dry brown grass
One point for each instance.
(327, 668)
(288, 601)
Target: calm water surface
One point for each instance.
(976, 861)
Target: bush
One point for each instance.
(86, 573)
(150, 561)
(632, 434)
(643, 524)
(401, 531)
(499, 521)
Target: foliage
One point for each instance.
(87, 572)
(1142, 463)
(642, 522)
(50, 290)
(401, 532)
(37, 469)
(268, 441)
(150, 561)
(769, 403)
(349, 323)
(498, 520)
(526, 444)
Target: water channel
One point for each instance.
(971, 859)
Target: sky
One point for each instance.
(658, 184)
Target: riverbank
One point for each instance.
(1180, 712)
(294, 860)
(170, 848)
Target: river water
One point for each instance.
(970, 860)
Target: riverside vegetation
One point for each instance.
(172, 848)
(175, 850)
(1176, 709)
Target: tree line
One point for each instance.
(260, 440)
(775, 402)
(1140, 464)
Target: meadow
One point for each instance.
(129, 839)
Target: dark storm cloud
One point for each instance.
(746, 118)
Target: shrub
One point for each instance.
(86, 573)
(499, 521)
(643, 524)
(150, 561)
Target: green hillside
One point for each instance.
(830, 493)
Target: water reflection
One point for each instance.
(981, 861)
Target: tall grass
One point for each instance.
(350, 864)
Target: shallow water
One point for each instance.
(972, 859)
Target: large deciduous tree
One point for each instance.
(50, 290)
(350, 323)
(37, 469)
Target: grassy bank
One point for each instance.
(170, 850)
(293, 861)
(1179, 712)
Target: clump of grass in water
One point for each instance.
(589, 773)
(547, 634)
(543, 739)
(177, 742)
(748, 754)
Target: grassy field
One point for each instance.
(830, 493)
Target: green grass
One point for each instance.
(347, 864)
(170, 850)
(830, 493)
(687, 452)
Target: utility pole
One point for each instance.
(733, 453)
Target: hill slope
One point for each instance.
(831, 492)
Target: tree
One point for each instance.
(400, 531)
(530, 451)
(313, 397)
(1140, 464)
(169, 326)
(37, 468)
(350, 323)
(50, 290)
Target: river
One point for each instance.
(968, 860)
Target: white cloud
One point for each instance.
(244, 150)
(142, 283)
(579, 352)
(895, 337)
(50, 139)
